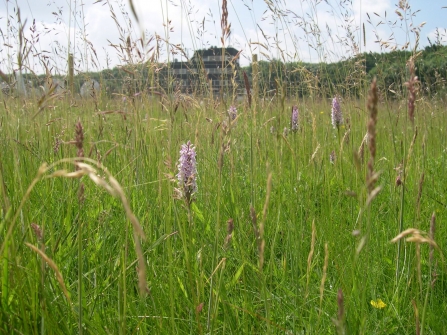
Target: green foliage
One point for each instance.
(348, 77)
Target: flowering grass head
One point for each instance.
(187, 171)
(337, 117)
(294, 119)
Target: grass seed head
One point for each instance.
(372, 107)
(340, 304)
(431, 235)
(412, 89)
(79, 140)
(37, 231)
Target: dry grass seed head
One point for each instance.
(37, 231)
(412, 86)
(432, 234)
(372, 107)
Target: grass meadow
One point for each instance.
(322, 230)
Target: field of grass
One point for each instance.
(294, 228)
(310, 248)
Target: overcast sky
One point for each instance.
(290, 30)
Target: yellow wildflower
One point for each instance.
(379, 304)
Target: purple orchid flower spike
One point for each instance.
(187, 171)
(294, 119)
(232, 112)
(337, 117)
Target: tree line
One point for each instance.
(346, 78)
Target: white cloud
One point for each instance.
(371, 6)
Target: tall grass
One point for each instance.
(289, 231)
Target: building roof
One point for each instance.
(213, 51)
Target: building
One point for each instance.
(207, 69)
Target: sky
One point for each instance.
(98, 31)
